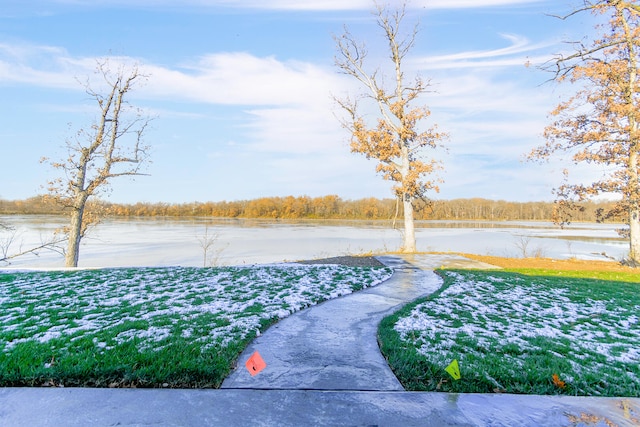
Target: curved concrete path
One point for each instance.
(333, 345)
(324, 368)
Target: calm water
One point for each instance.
(169, 241)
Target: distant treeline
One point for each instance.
(327, 207)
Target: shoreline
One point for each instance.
(371, 261)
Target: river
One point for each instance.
(121, 242)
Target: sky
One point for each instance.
(241, 93)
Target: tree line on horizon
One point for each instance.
(325, 207)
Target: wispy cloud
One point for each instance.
(243, 79)
(287, 104)
(303, 5)
(469, 4)
(519, 51)
(361, 4)
(233, 78)
(38, 65)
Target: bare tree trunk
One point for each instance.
(75, 235)
(409, 245)
(634, 179)
(634, 236)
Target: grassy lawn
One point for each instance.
(151, 327)
(534, 331)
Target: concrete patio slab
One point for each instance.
(77, 407)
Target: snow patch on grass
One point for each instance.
(151, 306)
(506, 321)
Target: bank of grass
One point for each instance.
(603, 270)
(527, 330)
(151, 327)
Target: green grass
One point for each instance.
(610, 276)
(513, 332)
(151, 327)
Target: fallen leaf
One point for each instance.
(558, 382)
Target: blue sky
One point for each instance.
(241, 92)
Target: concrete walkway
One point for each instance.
(333, 346)
(323, 368)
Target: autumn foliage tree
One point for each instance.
(111, 147)
(599, 124)
(397, 139)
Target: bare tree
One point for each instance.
(7, 237)
(52, 243)
(210, 253)
(110, 148)
(599, 124)
(397, 140)
(523, 244)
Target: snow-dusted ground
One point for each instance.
(508, 321)
(153, 306)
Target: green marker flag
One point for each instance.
(453, 369)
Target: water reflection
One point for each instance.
(176, 241)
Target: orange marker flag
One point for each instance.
(255, 364)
